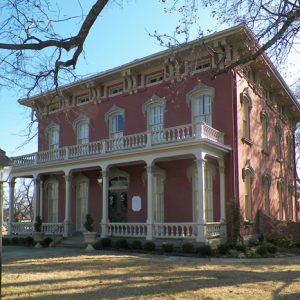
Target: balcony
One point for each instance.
(135, 142)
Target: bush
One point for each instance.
(88, 224)
(105, 243)
(261, 238)
(223, 249)
(15, 240)
(121, 244)
(271, 248)
(261, 250)
(205, 251)
(38, 224)
(297, 244)
(241, 248)
(28, 241)
(149, 246)
(188, 248)
(168, 247)
(5, 241)
(253, 243)
(46, 242)
(136, 245)
(234, 253)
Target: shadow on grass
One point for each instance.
(108, 277)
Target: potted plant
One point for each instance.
(89, 235)
(38, 235)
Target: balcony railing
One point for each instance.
(178, 134)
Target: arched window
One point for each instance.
(246, 103)
(266, 179)
(264, 117)
(52, 200)
(280, 186)
(200, 98)
(52, 133)
(248, 176)
(155, 109)
(82, 128)
(278, 141)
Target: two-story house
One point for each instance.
(158, 148)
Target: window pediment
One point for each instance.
(245, 96)
(81, 119)
(51, 127)
(248, 170)
(154, 100)
(114, 110)
(199, 90)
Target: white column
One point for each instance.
(104, 220)
(41, 198)
(200, 201)
(67, 221)
(222, 191)
(36, 200)
(149, 203)
(11, 205)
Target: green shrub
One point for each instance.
(21, 240)
(38, 224)
(88, 224)
(136, 245)
(204, 251)
(252, 254)
(234, 253)
(188, 248)
(240, 248)
(271, 248)
(28, 241)
(5, 241)
(253, 242)
(121, 244)
(261, 250)
(223, 249)
(261, 238)
(149, 246)
(105, 243)
(46, 242)
(15, 240)
(297, 244)
(168, 247)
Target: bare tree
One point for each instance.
(275, 24)
(33, 53)
(23, 209)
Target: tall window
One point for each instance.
(52, 197)
(278, 141)
(290, 151)
(264, 117)
(209, 178)
(82, 187)
(248, 176)
(266, 187)
(82, 130)
(155, 108)
(246, 103)
(202, 109)
(290, 212)
(52, 133)
(280, 183)
(117, 126)
(200, 99)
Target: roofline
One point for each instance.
(139, 61)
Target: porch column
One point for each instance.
(149, 203)
(222, 190)
(41, 198)
(200, 201)
(104, 220)
(36, 200)
(11, 205)
(67, 221)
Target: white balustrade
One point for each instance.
(174, 230)
(214, 230)
(177, 134)
(22, 227)
(53, 228)
(127, 229)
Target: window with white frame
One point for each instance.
(155, 109)
(290, 151)
(154, 78)
(264, 117)
(210, 172)
(82, 188)
(278, 141)
(82, 131)
(266, 179)
(200, 99)
(81, 99)
(248, 176)
(246, 103)
(280, 183)
(52, 133)
(52, 199)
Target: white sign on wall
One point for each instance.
(136, 203)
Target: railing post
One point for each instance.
(103, 146)
(66, 153)
(149, 139)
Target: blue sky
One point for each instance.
(119, 36)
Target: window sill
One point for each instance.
(247, 141)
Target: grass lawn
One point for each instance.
(108, 276)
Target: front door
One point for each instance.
(118, 206)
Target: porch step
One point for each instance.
(76, 241)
